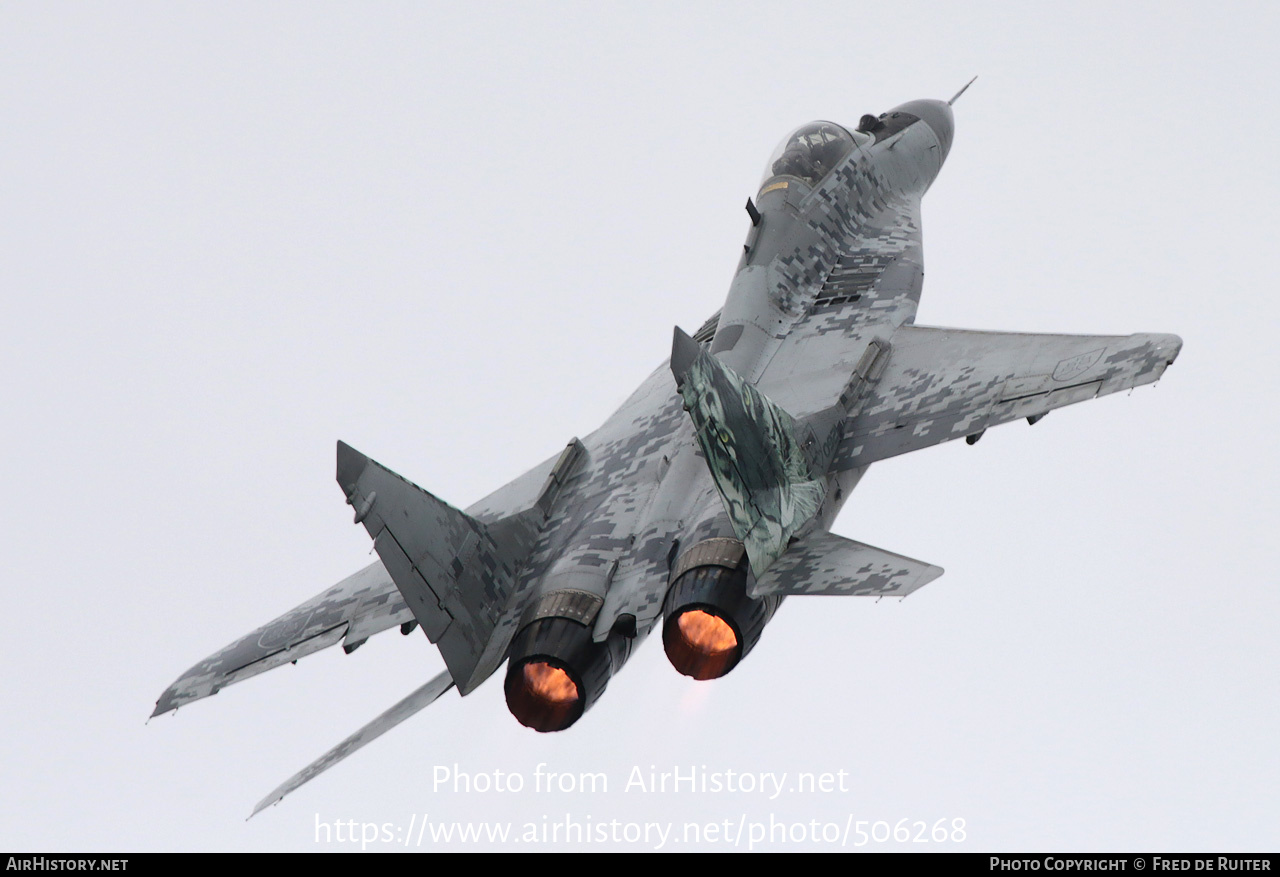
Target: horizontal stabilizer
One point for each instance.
(455, 573)
(827, 564)
(761, 458)
(415, 702)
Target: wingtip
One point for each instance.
(1164, 346)
(264, 804)
(1172, 346)
(167, 701)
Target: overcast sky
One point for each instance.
(455, 236)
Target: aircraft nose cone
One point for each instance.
(938, 116)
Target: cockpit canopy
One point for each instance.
(809, 152)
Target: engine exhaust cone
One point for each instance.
(542, 695)
(700, 643)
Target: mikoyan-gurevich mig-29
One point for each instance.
(709, 496)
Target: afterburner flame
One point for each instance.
(701, 644)
(543, 696)
(707, 633)
(549, 683)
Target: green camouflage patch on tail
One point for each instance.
(758, 454)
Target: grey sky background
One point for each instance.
(457, 235)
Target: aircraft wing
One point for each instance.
(368, 601)
(941, 384)
(352, 610)
(418, 700)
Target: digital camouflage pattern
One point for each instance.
(827, 564)
(812, 370)
(942, 384)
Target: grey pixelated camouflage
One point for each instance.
(812, 370)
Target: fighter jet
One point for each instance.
(709, 496)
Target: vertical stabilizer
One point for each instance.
(764, 461)
(455, 573)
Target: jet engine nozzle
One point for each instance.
(557, 671)
(710, 624)
(543, 695)
(700, 643)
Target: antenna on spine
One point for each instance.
(962, 91)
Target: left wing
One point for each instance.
(942, 384)
(359, 606)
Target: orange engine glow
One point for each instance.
(550, 683)
(701, 644)
(543, 696)
(709, 634)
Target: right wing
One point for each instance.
(942, 384)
